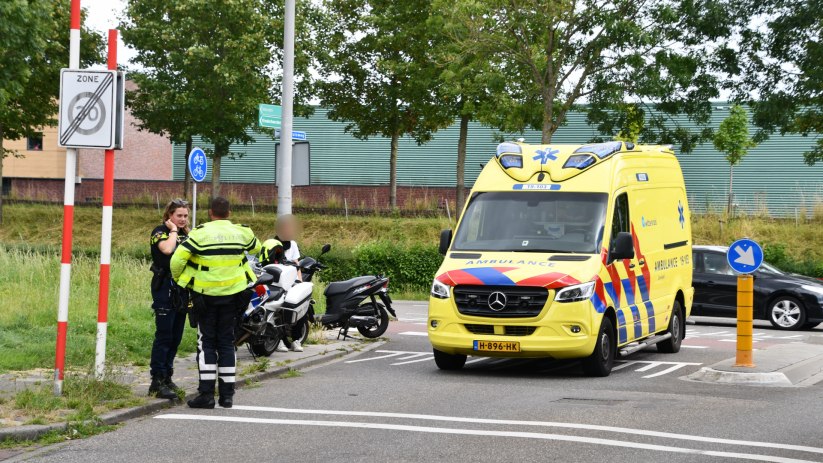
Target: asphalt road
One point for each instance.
(391, 403)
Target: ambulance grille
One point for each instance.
(480, 329)
(508, 330)
(521, 301)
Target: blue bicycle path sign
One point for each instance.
(745, 256)
(197, 165)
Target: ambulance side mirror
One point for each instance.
(622, 248)
(445, 241)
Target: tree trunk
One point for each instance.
(547, 123)
(187, 177)
(215, 172)
(461, 164)
(393, 171)
(731, 177)
(2, 154)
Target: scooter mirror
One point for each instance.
(326, 248)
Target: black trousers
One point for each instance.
(215, 344)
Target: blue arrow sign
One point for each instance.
(197, 165)
(744, 256)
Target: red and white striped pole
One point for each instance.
(105, 246)
(68, 221)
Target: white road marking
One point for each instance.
(479, 359)
(424, 359)
(733, 340)
(415, 355)
(719, 333)
(377, 358)
(415, 333)
(479, 432)
(624, 365)
(694, 347)
(591, 427)
(667, 370)
(649, 366)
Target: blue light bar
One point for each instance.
(579, 161)
(511, 160)
(507, 147)
(602, 150)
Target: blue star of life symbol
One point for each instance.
(680, 210)
(545, 155)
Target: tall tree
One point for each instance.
(379, 76)
(34, 37)
(780, 59)
(559, 53)
(732, 138)
(208, 64)
(474, 84)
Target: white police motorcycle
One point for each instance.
(278, 308)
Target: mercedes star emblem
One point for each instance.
(497, 301)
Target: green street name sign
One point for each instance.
(270, 116)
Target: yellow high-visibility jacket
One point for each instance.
(212, 260)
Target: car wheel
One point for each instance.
(787, 313)
(446, 361)
(677, 328)
(600, 363)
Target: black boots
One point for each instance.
(159, 388)
(203, 401)
(225, 401)
(169, 383)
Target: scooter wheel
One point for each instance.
(382, 315)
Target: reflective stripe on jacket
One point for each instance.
(212, 260)
(271, 252)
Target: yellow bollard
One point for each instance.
(745, 290)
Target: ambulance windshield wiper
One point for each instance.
(554, 251)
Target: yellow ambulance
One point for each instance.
(566, 251)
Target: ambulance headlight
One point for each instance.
(511, 160)
(440, 290)
(507, 147)
(579, 161)
(575, 293)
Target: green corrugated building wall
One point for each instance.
(773, 178)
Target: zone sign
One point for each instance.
(91, 109)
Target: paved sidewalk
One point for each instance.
(185, 373)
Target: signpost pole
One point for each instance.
(745, 289)
(744, 257)
(68, 222)
(105, 245)
(194, 207)
(284, 169)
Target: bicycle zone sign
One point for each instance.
(91, 109)
(197, 165)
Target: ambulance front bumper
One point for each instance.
(561, 330)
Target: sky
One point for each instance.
(102, 16)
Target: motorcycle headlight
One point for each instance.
(440, 290)
(575, 293)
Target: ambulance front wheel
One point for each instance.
(600, 363)
(677, 328)
(446, 361)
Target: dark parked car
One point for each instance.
(788, 301)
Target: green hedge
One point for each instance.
(412, 267)
(775, 254)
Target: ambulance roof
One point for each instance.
(522, 161)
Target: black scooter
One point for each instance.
(346, 301)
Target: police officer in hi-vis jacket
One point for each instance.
(212, 264)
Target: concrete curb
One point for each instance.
(709, 375)
(781, 365)
(34, 431)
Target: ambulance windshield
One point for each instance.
(533, 221)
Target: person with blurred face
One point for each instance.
(169, 323)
